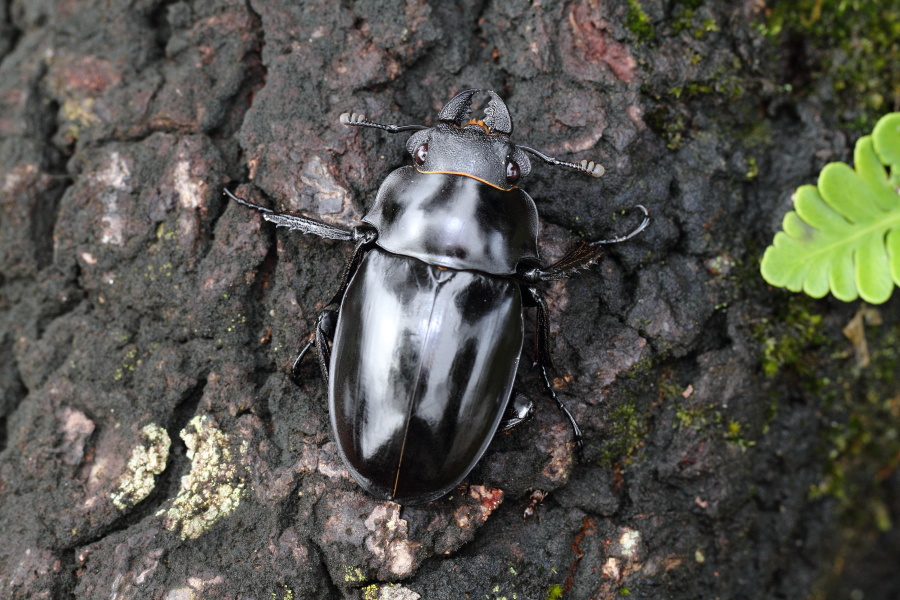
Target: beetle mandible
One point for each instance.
(421, 354)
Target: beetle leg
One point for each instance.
(304, 224)
(519, 410)
(327, 321)
(364, 235)
(542, 360)
(326, 325)
(581, 256)
(576, 430)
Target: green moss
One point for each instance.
(857, 44)
(752, 168)
(288, 594)
(862, 440)
(785, 341)
(353, 574)
(629, 426)
(641, 367)
(554, 592)
(705, 418)
(699, 418)
(638, 22)
(370, 592)
(670, 119)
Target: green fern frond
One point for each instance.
(844, 235)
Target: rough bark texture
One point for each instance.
(153, 445)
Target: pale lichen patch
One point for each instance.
(191, 190)
(629, 541)
(389, 541)
(146, 462)
(330, 197)
(12, 180)
(215, 484)
(194, 588)
(76, 428)
(390, 591)
(112, 180)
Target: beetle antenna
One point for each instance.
(586, 166)
(358, 120)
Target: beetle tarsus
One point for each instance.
(542, 360)
(353, 119)
(578, 438)
(295, 368)
(628, 236)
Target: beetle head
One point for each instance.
(479, 149)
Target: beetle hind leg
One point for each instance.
(519, 410)
(321, 338)
(576, 430)
(542, 360)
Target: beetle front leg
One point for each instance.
(305, 224)
(326, 325)
(579, 257)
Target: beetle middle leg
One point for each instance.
(578, 258)
(326, 324)
(321, 338)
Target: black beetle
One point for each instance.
(421, 355)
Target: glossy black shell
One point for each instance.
(423, 365)
(455, 221)
(430, 327)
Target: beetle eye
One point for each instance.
(420, 154)
(513, 172)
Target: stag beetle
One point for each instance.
(421, 355)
